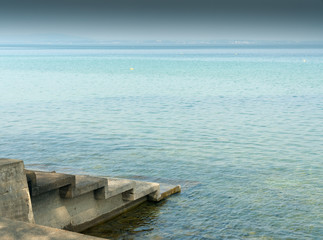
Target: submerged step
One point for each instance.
(166, 190)
(41, 182)
(84, 184)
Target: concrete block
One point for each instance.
(115, 186)
(142, 189)
(85, 184)
(48, 181)
(14, 193)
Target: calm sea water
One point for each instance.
(240, 128)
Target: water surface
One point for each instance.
(243, 123)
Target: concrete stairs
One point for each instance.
(72, 202)
(155, 191)
(76, 202)
(72, 186)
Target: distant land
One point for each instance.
(48, 40)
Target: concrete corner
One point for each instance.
(14, 193)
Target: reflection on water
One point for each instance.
(134, 223)
(147, 220)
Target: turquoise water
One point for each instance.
(240, 128)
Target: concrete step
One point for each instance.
(71, 186)
(84, 184)
(167, 187)
(115, 186)
(41, 182)
(142, 189)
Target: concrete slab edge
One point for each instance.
(17, 230)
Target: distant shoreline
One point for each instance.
(274, 45)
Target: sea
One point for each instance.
(239, 127)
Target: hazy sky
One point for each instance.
(163, 19)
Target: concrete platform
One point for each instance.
(17, 230)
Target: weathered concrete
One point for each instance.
(81, 211)
(52, 210)
(142, 189)
(17, 230)
(115, 186)
(84, 184)
(107, 216)
(167, 187)
(72, 202)
(14, 194)
(165, 190)
(48, 181)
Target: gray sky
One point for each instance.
(163, 19)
